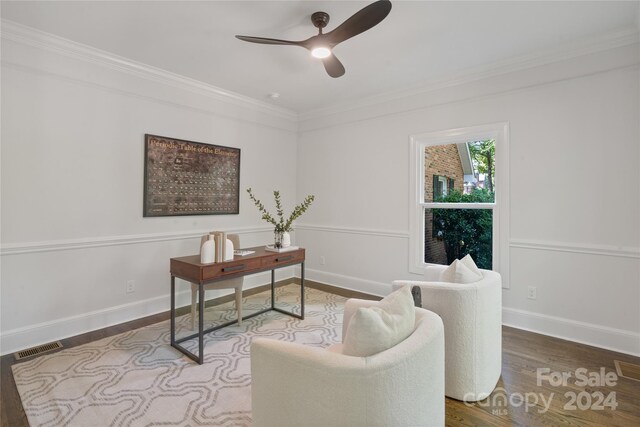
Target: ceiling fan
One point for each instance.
(321, 45)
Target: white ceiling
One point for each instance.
(419, 42)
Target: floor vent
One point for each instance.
(628, 370)
(34, 351)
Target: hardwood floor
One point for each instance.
(550, 404)
(520, 398)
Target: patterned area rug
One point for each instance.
(138, 379)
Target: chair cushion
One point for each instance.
(378, 328)
(458, 272)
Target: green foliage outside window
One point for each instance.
(466, 231)
(483, 154)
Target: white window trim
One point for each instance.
(500, 133)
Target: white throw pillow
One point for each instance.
(471, 265)
(378, 328)
(457, 272)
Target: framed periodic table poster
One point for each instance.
(190, 178)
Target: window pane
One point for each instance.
(453, 233)
(460, 173)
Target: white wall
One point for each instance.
(574, 199)
(72, 159)
(73, 130)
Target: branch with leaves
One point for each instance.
(484, 156)
(281, 225)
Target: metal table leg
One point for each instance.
(173, 311)
(201, 325)
(302, 290)
(201, 304)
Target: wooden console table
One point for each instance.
(190, 269)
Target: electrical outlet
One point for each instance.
(532, 292)
(322, 260)
(131, 286)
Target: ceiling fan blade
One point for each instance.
(366, 18)
(263, 40)
(333, 66)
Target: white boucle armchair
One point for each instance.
(472, 317)
(298, 385)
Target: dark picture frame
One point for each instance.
(184, 178)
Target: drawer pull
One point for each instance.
(287, 258)
(234, 268)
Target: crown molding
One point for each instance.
(19, 33)
(624, 37)
(29, 36)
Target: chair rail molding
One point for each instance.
(397, 234)
(96, 242)
(579, 248)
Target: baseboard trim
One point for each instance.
(32, 335)
(613, 339)
(347, 293)
(163, 314)
(54, 330)
(349, 283)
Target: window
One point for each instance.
(459, 198)
(441, 186)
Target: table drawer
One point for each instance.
(224, 269)
(282, 259)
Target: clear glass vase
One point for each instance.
(277, 239)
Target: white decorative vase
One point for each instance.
(286, 239)
(208, 251)
(228, 250)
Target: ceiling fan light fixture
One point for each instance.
(321, 52)
(321, 45)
